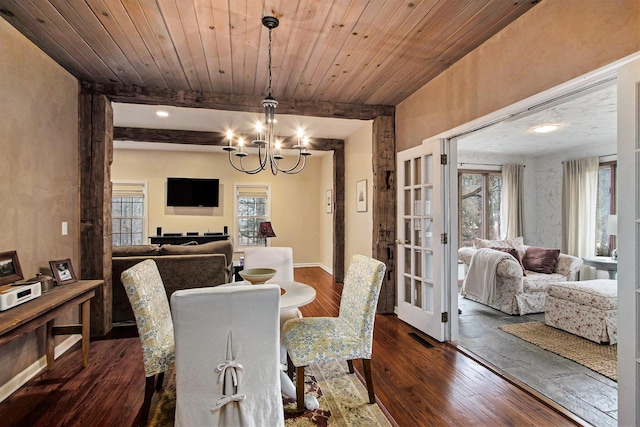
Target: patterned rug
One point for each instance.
(343, 401)
(601, 358)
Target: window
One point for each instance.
(128, 216)
(606, 206)
(253, 206)
(479, 205)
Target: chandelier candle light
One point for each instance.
(269, 148)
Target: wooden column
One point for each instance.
(384, 207)
(96, 156)
(338, 214)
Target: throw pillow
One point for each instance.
(217, 247)
(541, 260)
(513, 253)
(517, 244)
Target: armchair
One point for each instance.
(521, 292)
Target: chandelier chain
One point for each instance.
(269, 90)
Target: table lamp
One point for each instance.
(612, 230)
(265, 231)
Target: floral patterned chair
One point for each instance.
(346, 337)
(150, 305)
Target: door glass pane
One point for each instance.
(428, 234)
(428, 169)
(407, 229)
(407, 173)
(428, 196)
(428, 266)
(428, 296)
(417, 177)
(418, 264)
(418, 300)
(417, 232)
(417, 202)
(407, 260)
(407, 203)
(407, 289)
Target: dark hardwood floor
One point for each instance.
(418, 386)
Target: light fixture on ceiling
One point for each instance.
(161, 113)
(545, 128)
(269, 148)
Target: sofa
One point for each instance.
(181, 267)
(519, 290)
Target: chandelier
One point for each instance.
(269, 148)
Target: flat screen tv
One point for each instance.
(200, 192)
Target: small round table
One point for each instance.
(602, 263)
(295, 294)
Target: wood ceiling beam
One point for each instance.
(230, 102)
(208, 138)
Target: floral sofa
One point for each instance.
(519, 291)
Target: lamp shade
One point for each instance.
(612, 225)
(265, 230)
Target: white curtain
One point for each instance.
(579, 205)
(512, 202)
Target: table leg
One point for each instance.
(612, 274)
(49, 344)
(85, 320)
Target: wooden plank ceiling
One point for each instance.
(357, 51)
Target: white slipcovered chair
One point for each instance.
(150, 305)
(280, 259)
(227, 362)
(346, 337)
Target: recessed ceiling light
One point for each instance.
(162, 113)
(545, 128)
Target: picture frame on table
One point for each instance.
(63, 271)
(9, 268)
(361, 196)
(329, 202)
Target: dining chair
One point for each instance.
(150, 305)
(227, 362)
(346, 337)
(280, 259)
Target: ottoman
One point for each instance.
(587, 309)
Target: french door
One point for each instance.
(422, 269)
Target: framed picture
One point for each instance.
(9, 268)
(328, 202)
(361, 196)
(63, 271)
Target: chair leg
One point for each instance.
(350, 364)
(300, 387)
(290, 367)
(146, 404)
(366, 363)
(159, 381)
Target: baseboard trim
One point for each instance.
(35, 368)
(314, 264)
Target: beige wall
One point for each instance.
(296, 208)
(552, 43)
(359, 165)
(38, 172)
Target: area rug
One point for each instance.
(601, 358)
(342, 397)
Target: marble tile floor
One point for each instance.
(591, 396)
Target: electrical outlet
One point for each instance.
(65, 228)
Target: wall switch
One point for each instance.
(65, 228)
